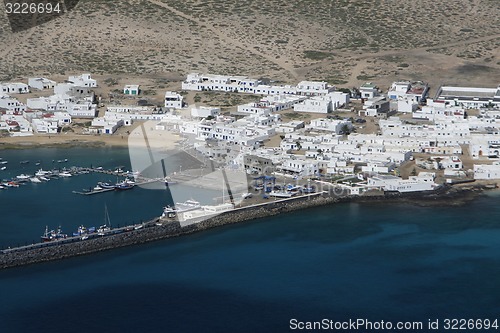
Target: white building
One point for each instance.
(412, 91)
(330, 125)
(44, 125)
(316, 104)
(84, 80)
(13, 88)
(11, 104)
(487, 171)
(173, 100)
(470, 97)
(393, 183)
(82, 110)
(368, 90)
(41, 83)
(104, 125)
(204, 111)
(131, 89)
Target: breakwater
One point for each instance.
(158, 229)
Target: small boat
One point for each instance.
(37, 163)
(123, 186)
(45, 179)
(35, 180)
(81, 231)
(41, 172)
(52, 235)
(127, 184)
(65, 174)
(169, 181)
(4, 162)
(137, 227)
(3, 187)
(11, 184)
(280, 194)
(24, 162)
(106, 185)
(62, 161)
(97, 188)
(107, 223)
(3, 168)
(187, 206)
(23, 176)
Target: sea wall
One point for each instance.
(152, 231)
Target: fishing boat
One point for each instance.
(107, 223)
(125, 185)
(81, 231)
(106, 185)
(53, 235)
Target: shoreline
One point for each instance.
(460, 195)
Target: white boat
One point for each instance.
(64, 174)
(280, 194)
(23, 176)
(45, 179)
(35, 180)
(2, 187)
(4, 162)
(41, 173)
(97, 188)
(3, 168)
(187, 206)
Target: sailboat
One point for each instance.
(107, 223)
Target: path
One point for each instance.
(228, 40)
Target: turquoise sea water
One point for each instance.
(391, 262)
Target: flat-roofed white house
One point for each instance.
(131, 89)
(330, 125)
(316, 104)
(45, 125)
(204, 111)
(84, 80)
(470, 97)
(82, 109)
(173, 100)
(104, 125)
(14, 88)
(393, 183)
(313, 88)
(368, 90)
(412, 91)
(41, 83)
(11, 104)
(487, 171)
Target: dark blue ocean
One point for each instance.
(391, 262)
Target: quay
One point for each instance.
(162, 228)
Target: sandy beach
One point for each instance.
(156, 138)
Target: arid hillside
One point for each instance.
(343, 42)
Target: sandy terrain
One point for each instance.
(343, 42)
